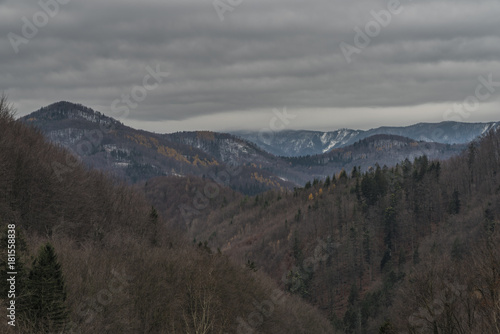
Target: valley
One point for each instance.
(348, 233)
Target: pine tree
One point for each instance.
(47, 296)
(153, 215)
(297, 249)
(328, 181)
(343, 175)
(153, 228)
(354, 172)
(454, 206)
(334, 179)
(357, 190)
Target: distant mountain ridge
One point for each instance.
(136, 155)
(295, 143)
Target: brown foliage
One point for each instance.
(117, 280)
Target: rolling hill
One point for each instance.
(136, 155)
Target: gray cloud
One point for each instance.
(264, 55)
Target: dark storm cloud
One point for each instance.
(264, 55)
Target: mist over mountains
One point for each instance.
(294, 143)
(291, 159)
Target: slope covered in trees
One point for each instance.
(135, 155)
(99, 259)
(412, 248)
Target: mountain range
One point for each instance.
(136, 155)
(293, 143)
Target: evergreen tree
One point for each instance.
(153, 219)
(153, 215)
(387, 328)
(390, 227)
(354, 172)
(47, 293)
(357, 190)
(297, 249)
(380, 181)
(328, 181)
(369, 188)
(454, 206)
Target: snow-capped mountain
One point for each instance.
(291, 143)
(137, 155)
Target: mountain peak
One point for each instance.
(66, 107)
(64, 110)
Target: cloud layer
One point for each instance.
(230, 74)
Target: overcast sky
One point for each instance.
(232, 62)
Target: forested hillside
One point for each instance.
(92, 256)
(414, 248)
(409, 249)
(135, 155)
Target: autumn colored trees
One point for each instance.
(410, 248)
(381, 222)
(99, 258)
